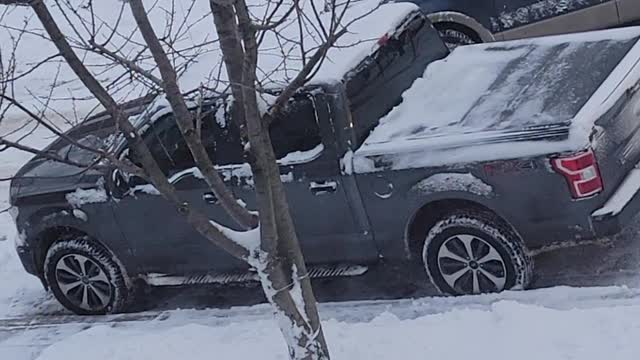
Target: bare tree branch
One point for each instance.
(185, 121)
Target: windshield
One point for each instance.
(74, 153)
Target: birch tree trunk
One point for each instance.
(280, 263)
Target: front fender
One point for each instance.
(46, 219)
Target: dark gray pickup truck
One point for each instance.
(464, 162)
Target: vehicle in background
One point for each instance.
(464, 22)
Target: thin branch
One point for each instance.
(131, 65)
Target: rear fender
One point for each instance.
(445, 192)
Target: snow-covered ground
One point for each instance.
(20, 293)
(555, 323)
(558, 323)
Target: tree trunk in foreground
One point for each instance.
(280, 262)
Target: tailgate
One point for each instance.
(617, 144)
(616, 136)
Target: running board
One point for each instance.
(156, 279)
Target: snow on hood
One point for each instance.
(497, 95)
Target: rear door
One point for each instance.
(528, 18)
(319, 202)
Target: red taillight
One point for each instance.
(384, 39)
(582, 173)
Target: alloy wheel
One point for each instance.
(83, 282)
(471, 265)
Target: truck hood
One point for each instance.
(41, 176)
(511, 99)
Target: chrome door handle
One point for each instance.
(323, 187)
(210, 198)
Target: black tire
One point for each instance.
(471, 252)
(86, 279)
(454, 37)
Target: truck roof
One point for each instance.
(549, 89)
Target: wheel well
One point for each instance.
(459, 27)
(429, 215)
(48, 237)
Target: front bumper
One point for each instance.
(27, 259)
(620, 208)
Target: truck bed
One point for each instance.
(510, 98)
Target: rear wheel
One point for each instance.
(85, 278)
(453, 36)
(474, 252)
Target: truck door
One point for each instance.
(318, 199)
(529, 18)
(163, 240)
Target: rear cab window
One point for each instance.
(376, 85)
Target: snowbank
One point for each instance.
(20, 293)
(505, 330)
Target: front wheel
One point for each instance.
(474, 252)
(85, 278)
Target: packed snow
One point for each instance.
(148, 189)
(298, 157)
(249, 240)
(623, 195)
(555, 324)
(80, 197)
(465, 182)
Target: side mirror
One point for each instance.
(119, 184)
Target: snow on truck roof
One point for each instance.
(367, 22)
(488, 101)
(362, 38)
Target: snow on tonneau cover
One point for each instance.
(508, 100)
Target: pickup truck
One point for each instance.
(464, 162)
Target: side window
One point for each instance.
(220, 138)
(224, 145)
(168, 146)
(297, 129)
